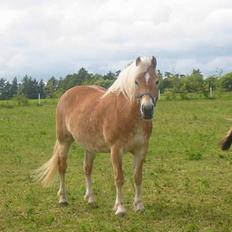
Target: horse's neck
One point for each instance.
(127, 109)
(131, 117)
(123, 116)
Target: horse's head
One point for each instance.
(146, 83)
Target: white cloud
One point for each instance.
(44, 38)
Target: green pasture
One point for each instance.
(187, 179)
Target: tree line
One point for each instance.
(169, 82)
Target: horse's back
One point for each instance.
(79, 98)
(76, 96)
(78, 93)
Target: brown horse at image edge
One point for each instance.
(226, 141)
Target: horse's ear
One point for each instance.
(153, 62)
(138, 60)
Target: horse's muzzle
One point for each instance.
(147, 111)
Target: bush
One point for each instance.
(226, 82)
(169, 95)
(6, 104)
(21, 100)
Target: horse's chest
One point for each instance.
(137, 138)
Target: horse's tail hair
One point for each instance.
(226, 142)
(46, 173)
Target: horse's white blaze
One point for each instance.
(147, 76)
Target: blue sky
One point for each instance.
(55, 38)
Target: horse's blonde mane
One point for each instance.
(125, 82)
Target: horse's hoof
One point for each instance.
(63, 204)
(121, 211)
(138, 207)
(90, 199)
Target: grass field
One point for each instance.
(187, 179)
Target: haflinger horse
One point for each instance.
(227, 140)
(116, 120)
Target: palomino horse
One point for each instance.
(227, 140)
(116, 120)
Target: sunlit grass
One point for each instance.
(187, 179)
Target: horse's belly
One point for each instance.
(92, 143)
(96, 147)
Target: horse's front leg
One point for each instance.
(139, 157)
(116, 155)
(88, 165)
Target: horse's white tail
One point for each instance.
(46, 173)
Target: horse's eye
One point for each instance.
(157, 82)
(136, 82)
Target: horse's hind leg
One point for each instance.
(88, 165)
(62, 150)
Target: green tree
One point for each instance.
(211, 82)
(2, 86)
(51, 87)
(82, 77)
(29, 87)
(14, 88)
(226, 82)
(103, 82)
(41, 89)
(5, 88)
(193, 82)
(110, 76)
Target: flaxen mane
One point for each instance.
(126, 79)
